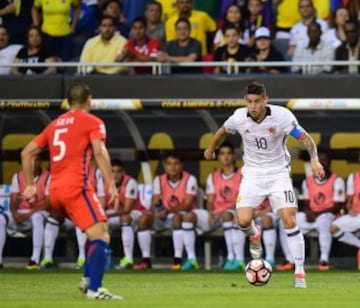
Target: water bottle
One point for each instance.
(220, 262)
(109, 264)
(159, 207)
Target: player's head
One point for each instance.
(256, 100)
(226, 153)
(173, 165)
(182, 28)
(4, 37)
(107, 27)
(138, 29)
(325, 160)
(117, 169)
(79, 95)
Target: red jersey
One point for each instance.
(226, 190)
(150, 49)
(356, 196)
(68, 138)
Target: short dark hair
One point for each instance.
(171, 154)
(78, 93)
(316, 24)
(33, 27)
(117, 162)
(230, 26)
(255, 88)
(227, 144)
(185, 20)
(104, 17)
(155, 3)
(140, 20)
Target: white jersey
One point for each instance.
(298, 32)
(265, 151)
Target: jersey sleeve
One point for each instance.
(131, 190)
(42, 139)
(210, 188)
(339, 190)
(350, 185)
(191, 186)
(231, 124)
(156, 186)
(97, 130)
(15, 188)
(291, 125)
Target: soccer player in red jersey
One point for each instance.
(72, 138)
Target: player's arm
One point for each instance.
(214, 142)
(131, 195)
(191, 190)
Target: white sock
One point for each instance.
(2, 236)
(50, 234)
(81, 240)
(38, 227)
(189, 239)
(347, 238)
(178, 242)
(251, 230)
(269, 238)
(227, 226)
(325, 240)
(284, 243)
(297, 248)
(144, 239)
(239, 239)
(127, 238)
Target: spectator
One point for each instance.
(352, 5)
(336, 35)
(104, 48)
(253, 21)
(298, 33)
(201, 23)
(35, 51)
(169, 9)
(323, 200)
(7, 52)
(155, 28)
(265, 52)
(140, 48)
(134, 8)
(349, 50)
(16, 17)
(54, 17)
(182, 49)
(287, 15)
(315, 50)
(233, 16)
(113, 8)
(26, 216)
(232, 51)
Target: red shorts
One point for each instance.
(80, 205)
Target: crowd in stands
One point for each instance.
(175, 31)
(174, 202)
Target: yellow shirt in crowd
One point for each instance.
(168, 8)
(56, 15)
(322, 8)
(98, 50)
(201, 23)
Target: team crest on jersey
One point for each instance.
(271, 130)
(226, 193)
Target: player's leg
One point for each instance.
(188, 226)
(3, 225)
(342, 229)
(227, 225)
(127, 239)
(51, 232)
(81, 240)
(268, 221)
(239, 239)
(289, 261)
(323, 223)
(178, 240)
(144, 224)
(38, 226)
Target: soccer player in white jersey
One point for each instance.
(344, 226)
(264, 130)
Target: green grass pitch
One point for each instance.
(58, 288)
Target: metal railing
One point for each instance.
(161, 68)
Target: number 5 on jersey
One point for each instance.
(57, 142)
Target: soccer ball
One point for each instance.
(258, 272)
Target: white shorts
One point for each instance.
(114, 222)
(324, 219)
(36, 218)
(272, 215)
(164, 223)
(255, 189)
(348, 223)
(203, 220)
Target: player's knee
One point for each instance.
(38, 219)
(98, 231)
(125, 219)
(226, 216)
(289, 222)
(177, 220)
(266, 221)
(189, 217)
(145, 221)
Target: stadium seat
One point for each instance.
(340, 141)
(206, 167)
(282, 45)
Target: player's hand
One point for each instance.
(29, 193)
(209, 154)
(161, 214)
(317, 169)
(113, 196)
